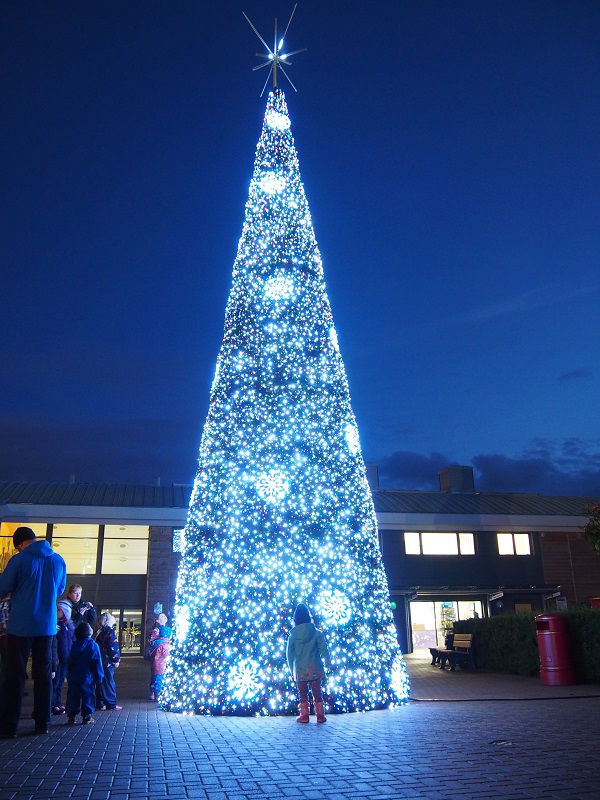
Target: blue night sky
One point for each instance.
(450, 155)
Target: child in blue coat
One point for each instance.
(306, 652)
(85, 670)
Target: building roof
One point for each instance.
(395, 501)
(390, 501)
(95, 494)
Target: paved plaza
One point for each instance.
(465, 742)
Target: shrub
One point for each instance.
(584, 635)
(508, 642)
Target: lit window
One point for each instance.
(78, 545)
(522, 546)
(125, 550)
(470, 609)
(513, 544)
(467, 544)
(412, 543)
(439, 544)
(7, 551)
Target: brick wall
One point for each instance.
(570, 562)
(162, 573)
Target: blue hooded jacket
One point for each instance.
(36, 578)
(85, 663)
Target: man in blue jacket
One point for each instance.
(35, 577)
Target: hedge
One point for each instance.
(508, 642)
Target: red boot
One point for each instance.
(320, 713)
(303, 713)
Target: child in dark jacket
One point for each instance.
(106, 639)
(63, 640)
(306, 651)
(85, 670)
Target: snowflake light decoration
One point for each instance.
(279, 287)
(271, 183)
(244, 680)
(272, 486)
(276, 120)
(335, 607)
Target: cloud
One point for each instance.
(536, 475)
(140, 450)
(574, 375)
(570, 468)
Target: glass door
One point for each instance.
(422, 616)
(128, 629)
(432, 621)
(447, 614)
(132, 630)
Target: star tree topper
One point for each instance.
(275, 58)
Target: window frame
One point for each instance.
(461, 544)
(515, 543)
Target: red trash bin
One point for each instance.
(556, 667)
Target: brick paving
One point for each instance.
(451, 747)
(432, 683)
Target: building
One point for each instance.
(117, 541)
(457, 553)
(449, 554)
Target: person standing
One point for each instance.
(81, 610)
(157, 652)
(106, 639)
(306, 651)
(85, 671)
(63, 641)
(35, 577)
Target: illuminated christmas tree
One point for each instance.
(281, 511)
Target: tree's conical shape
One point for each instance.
(281, 511)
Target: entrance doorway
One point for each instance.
(129, 629)
(431, 621)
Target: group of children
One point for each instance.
(87, 664)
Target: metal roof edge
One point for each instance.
(23, 512)
(477, 522)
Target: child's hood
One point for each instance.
(83, 644)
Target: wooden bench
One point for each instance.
(460, 654)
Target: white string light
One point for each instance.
(280, 510)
